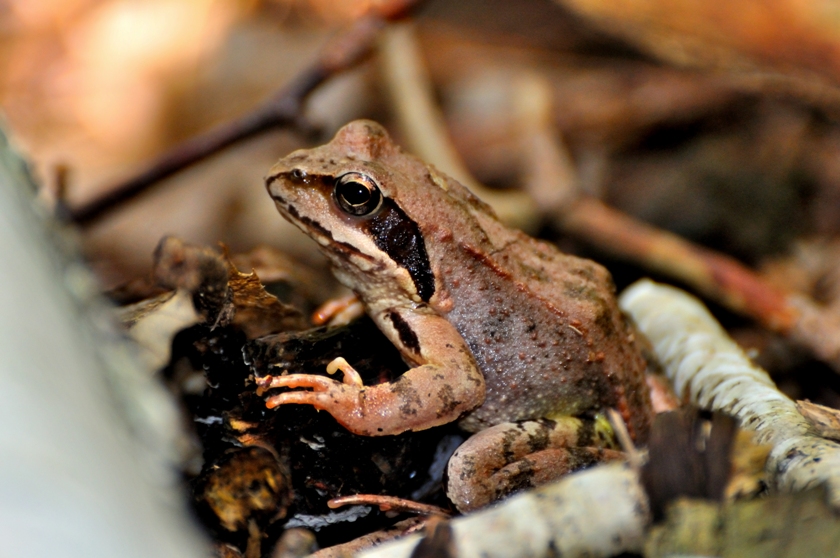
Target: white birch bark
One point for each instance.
(598, 512)
(709, 369)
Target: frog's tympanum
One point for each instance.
(521, 343)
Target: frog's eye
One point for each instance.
(357, 194)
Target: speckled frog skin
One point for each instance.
(497, 326)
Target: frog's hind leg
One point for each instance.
(511, 456)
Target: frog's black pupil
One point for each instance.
(355, 193)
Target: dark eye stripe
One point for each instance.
(399, 237)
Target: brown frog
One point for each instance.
(522, 343)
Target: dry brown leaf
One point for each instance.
(221, 292)
(197, 269)
(256, 311)
(245, 484)
(825, 419)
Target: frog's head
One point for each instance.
(345, 196)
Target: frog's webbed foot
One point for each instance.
(509, 457)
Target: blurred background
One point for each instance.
(724, 136)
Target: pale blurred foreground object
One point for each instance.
(711, 371)
(87, 436)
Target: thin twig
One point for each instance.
(714, 275)
(418, 116)
(360, 544)
(634, 457)
(283, 109)
(387, 503)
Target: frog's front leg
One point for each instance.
(510, 457)
(444, 383)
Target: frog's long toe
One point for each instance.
(318, 383)
(323, 401)
(325, 394)
(345, 402)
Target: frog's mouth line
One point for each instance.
(309, 224)
(314, 228)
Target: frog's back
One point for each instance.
(546, 331)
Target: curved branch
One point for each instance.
(712, 371)
(283, 109)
